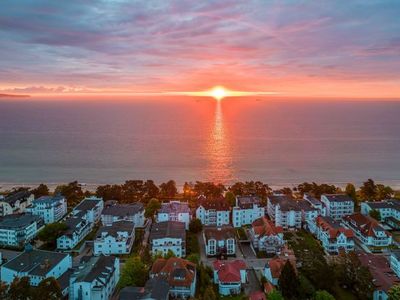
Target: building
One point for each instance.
(338, 205)
(91, 207)
(265, 236)
(50, 208)
(229, 276)
(291, 213)
(247, 209)
(37, 265)
(214, 212)
(367, 230)
(95, 278)
(19, 229)
(315, 203)
(273, 268)
(114, 212)
(388, 209)
(168, 236)
(115, 239)
(15, 202)
(179, 273)
(333, 236)
(383, 277)
(175, 211)
(395, 262)
(219, 241)
(154, 289)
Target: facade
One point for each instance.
(395, 262)
(168, 236)
(387, 209)
(175, 211)
(37, 265)
(95, 278)
(338, 205)
(180, 275)
(247, 209)
(16, 202)
(115, 239)
(229, 276)
(213, 212)
(114, 212)
(50, 209)
(265, 236)
(333, 236)
(367, 230)
(219, 241)
(91, 207)
(17, 230)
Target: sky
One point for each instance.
(294, 48)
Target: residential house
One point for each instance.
(15, 202)
(219, 241)
(265, 236)
(229, 276)
(333, 236)
(18, 229)
(368, 230)
(338, 205)
(154, 289)
(50, 208)
(179, 273)
(115, 239)
(175, 211)
(168, 236)
(395, 261)
(247, 209)
(389, 211)
(318, 204)
(95, 278)
(37, 265)
(91, 207)
(213, 211)
(273, 268)
(114, 212)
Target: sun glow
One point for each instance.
(218, 93)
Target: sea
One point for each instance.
(279, 142)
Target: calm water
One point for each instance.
(277, 142)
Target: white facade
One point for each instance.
(175, 211)
(17, 230)
(123, 212)
(338, 205)
(229, 276)
(164, 245)
(50, 209)
(219, 241)
(15, 202)
(386, 208)
(212, 216)
(265, 236)
(395, 262)
(115, 239)
(247, 210)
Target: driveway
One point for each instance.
(253, 284)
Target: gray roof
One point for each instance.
(123, 210)
(15, 196)
(73, 223)
(287, 204)
(155, 288)
(18, 221)
(396, 253)
(391, 203)
(88, 204)
(175, 207)
(93, 268)
(221, 233)
(35, 262)
(48, 199)
(171, 229)
(116, 227)
(247, 201)
(338, 198)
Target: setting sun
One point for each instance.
(218, 93)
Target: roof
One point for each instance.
(35, 262)
(390, 203)
(88, 204)
(95, 268)
(119, 226)
(73, 223)
(338, 198)
(383, 276)
(333, 227)
(246, 202)
(63, 280)
(219, 204)
(168, 229)
(264, 227)
(286, 203)
(48, 199)
(365, 224)
(123, 210)
(276, 265)
(176, 271)
(15, 196)
(17, 221)
(155, 288)
(229, 271)
(174, 207)
(220, 233)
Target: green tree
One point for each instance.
(209, 189)
(230, 198)
(51, 232)
(275, 295)
(133, 273)
(368, 190)
(194, 258)
(41, 190)
(152, 207)
(20, 289)
(375, 214)
(323, 295)
(195, 226)
(394, 292)
(48, 289)
(168, 189)
(351, 191)
(306, 289)
(383, 192)
(72, 192)
(209, 293)
(288, 281)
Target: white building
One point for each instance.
(50, 209)
(95, 278)
(389, 211)
(175, 211)
(395, 262)
(229, 276)
(247, 209)
(17, 230)
(333, 236)
(367, 230)
(91, 207)
(215, 212)
(15, 202)
(37, 265)
(219, 241)
(115, 239)
(114, 212)
(338, 205)
(168, 236)
(265, 236)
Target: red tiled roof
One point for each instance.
(229, 271)
(177, 271)
(257, 296)
(263, 226)
(366, 225)
(334, 231)
(276, 265)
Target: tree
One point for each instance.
(230, 198)
(306, 289)
(209, 293)
(323, 295)
(195, 226)
(373, 213)
(383, 192)
(48, 289)
(209, 189)
(368, 190)
(275, 295)
(41, 190)
(3, 290)
(194, 258)
(20, 289)
(51, 232)
(351, 191)
(288, 281)
(394, 292)
(133, 273)
(168, 189)
(152, 207)
(72, 192)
